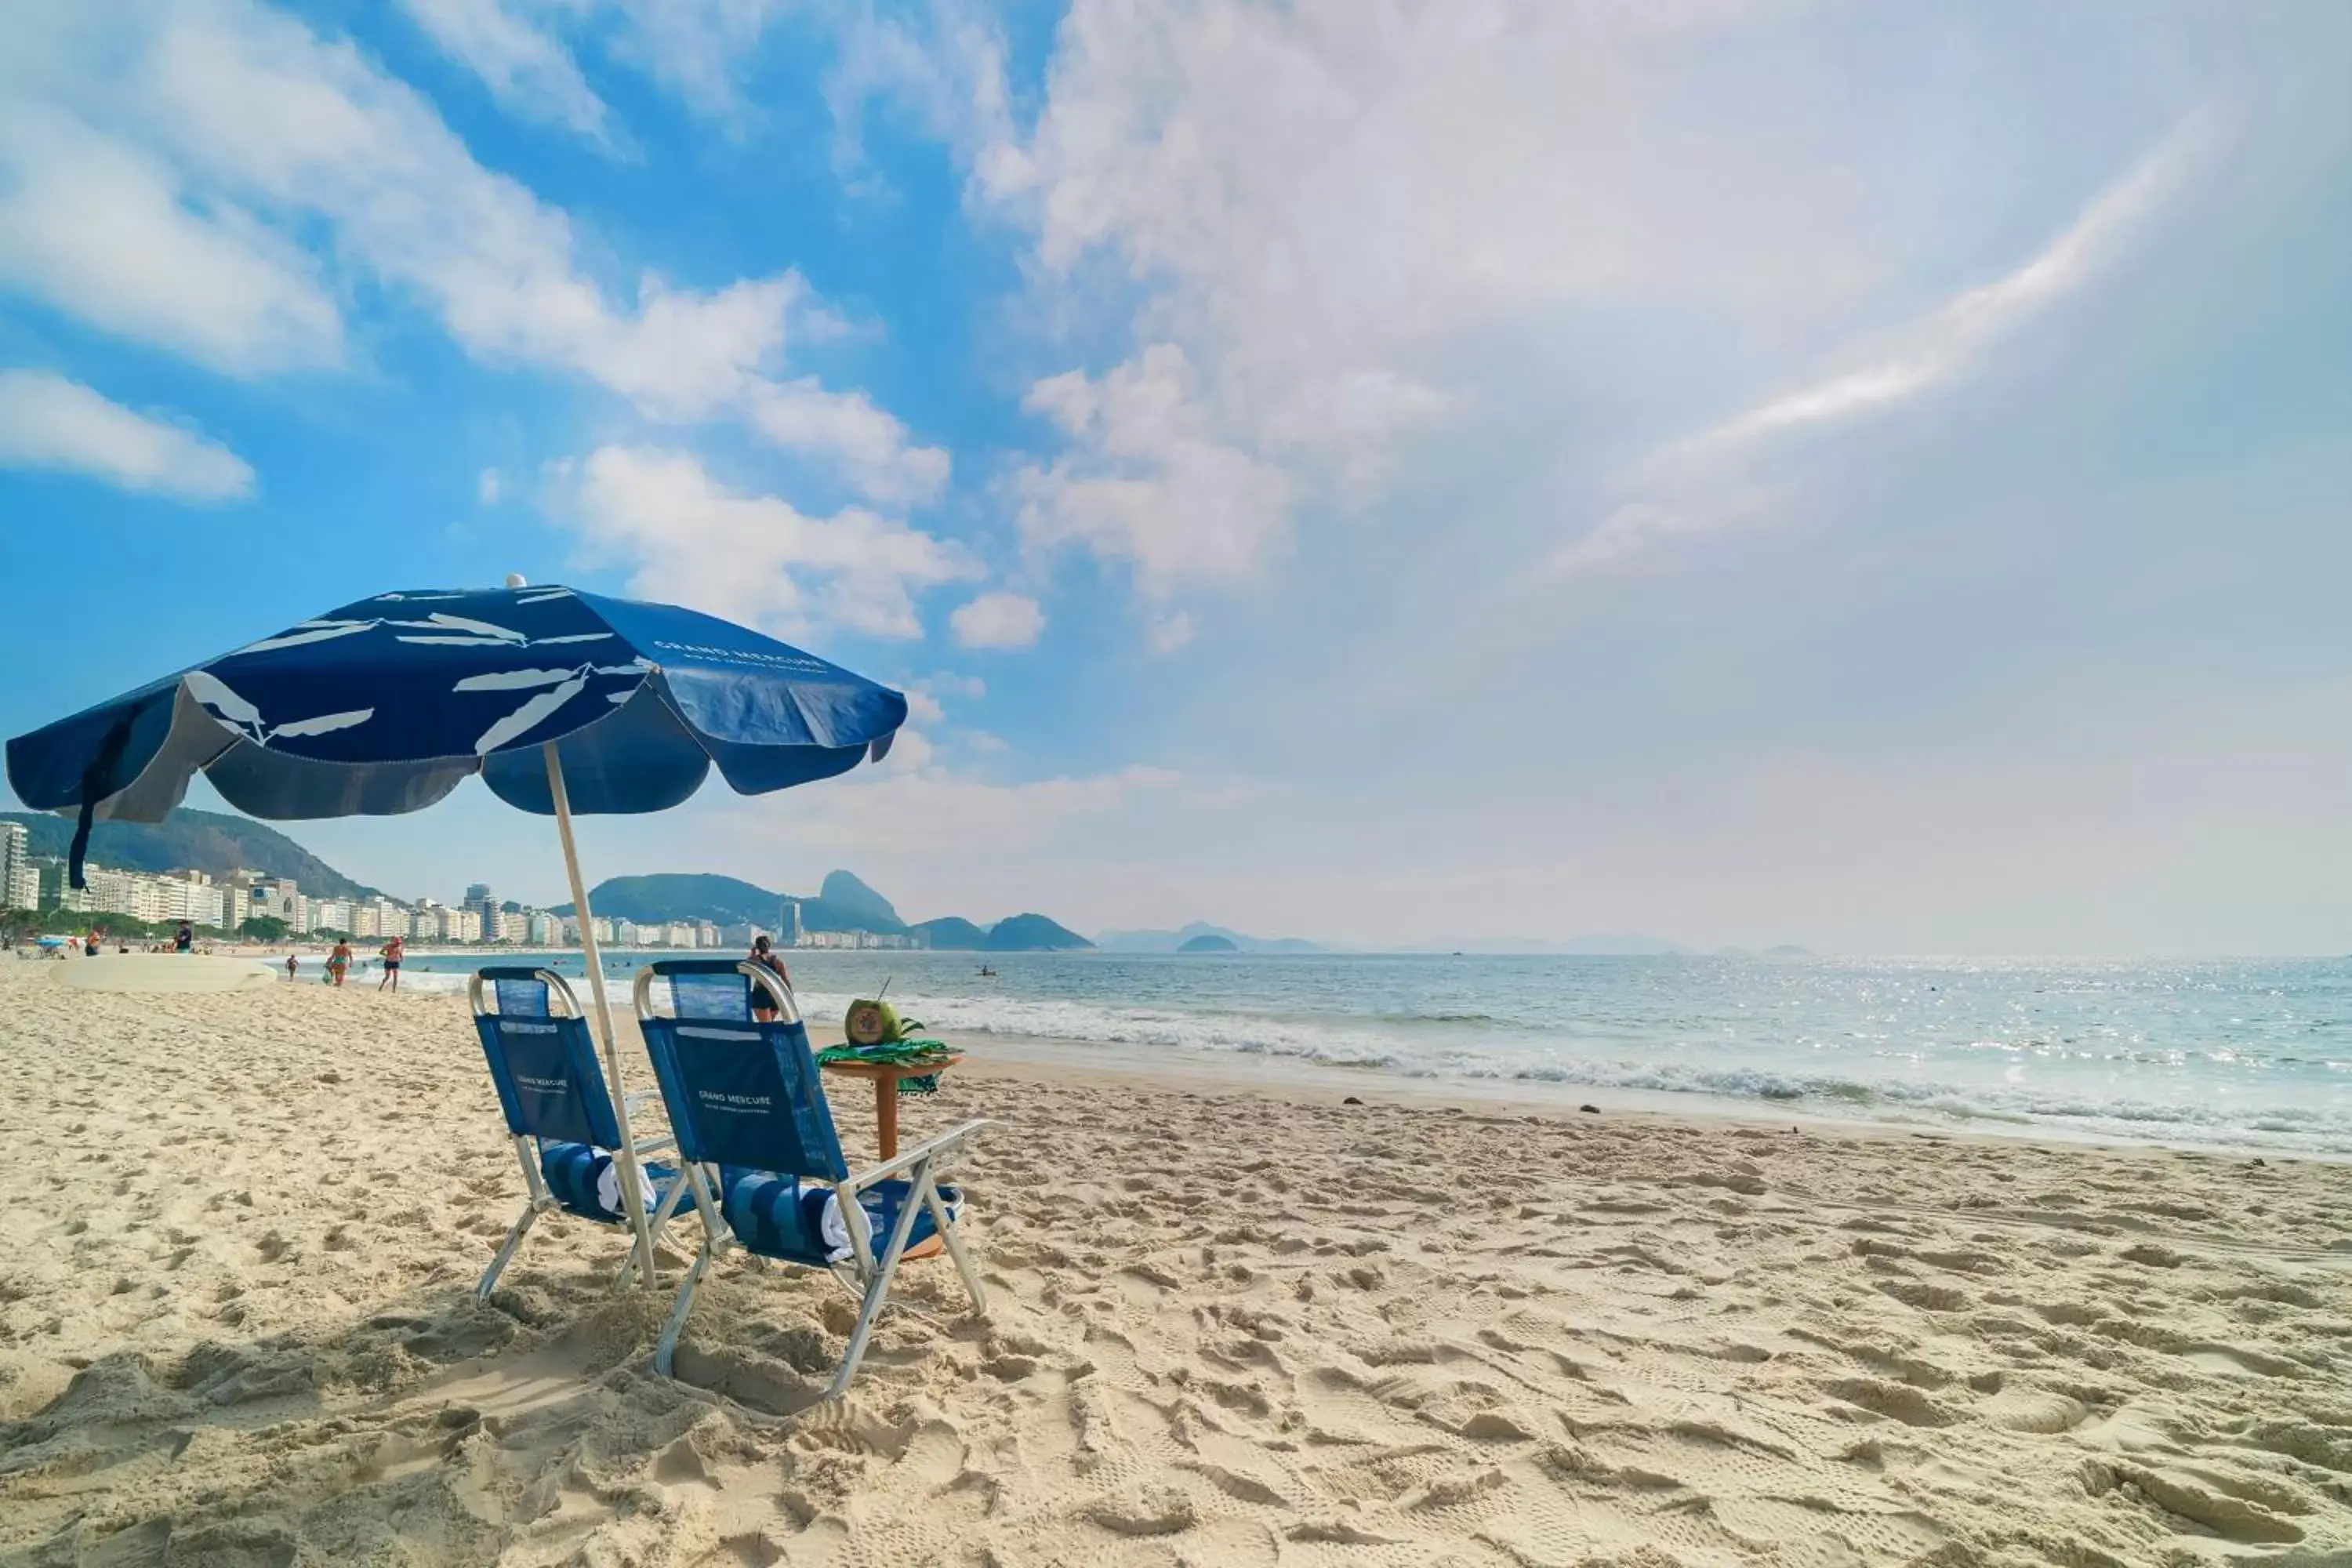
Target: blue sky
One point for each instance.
(1872, 477)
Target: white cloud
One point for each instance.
(1700, 485)
(941, 66)
(1317, 219)
(697, 49)
(1149, 481)
(97, 227)
(488, 487)
(998, 620)
(936, 812)
(253, 112)
(1170, 632)
(685, 538)
(1326, 236)
(525, 66)
(1948, 340)
(862, 440)
(49, 422)
(524, 52)
(955, 685)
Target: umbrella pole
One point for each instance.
(625, 1156)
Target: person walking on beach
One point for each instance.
(290, 966)
(763, 954)
(393, 952)
(186, 941)
(89, 944)
(339, 961)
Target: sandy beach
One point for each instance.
(1233, 1322)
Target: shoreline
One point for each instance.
(1286, 1072)
(1298, 1081)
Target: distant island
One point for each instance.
(1209, 943)
(1175, 941)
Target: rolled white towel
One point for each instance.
(834, 1229)
(608, 1188)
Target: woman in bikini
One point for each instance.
(765, 956)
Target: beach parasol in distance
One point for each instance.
(563, 701)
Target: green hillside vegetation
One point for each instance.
(209, 841)
(1032, 933)
(1207, 943)
(953, 934)
(847, 904)
(727, 900)
(845, 896)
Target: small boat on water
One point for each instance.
(986, 973)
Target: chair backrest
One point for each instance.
(739, 1092)
(523, 996)
(542, 1061)
(713, 994)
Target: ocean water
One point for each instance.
(2251, 1054)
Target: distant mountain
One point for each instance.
(1208, 941)
(667, 896)
(845, 896)
(1174, 940)
(952, 933)
(729, 901)
(1032, 933)
(1788, 949)
(847, 904)
(209, 841)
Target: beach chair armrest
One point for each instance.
(951, 1139)
(652, 1145)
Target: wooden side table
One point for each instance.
(886, 1077)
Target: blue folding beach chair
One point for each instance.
(764, 1164)
(558, 1112)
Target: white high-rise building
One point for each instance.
(16, 862)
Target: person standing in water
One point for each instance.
(393, 952)
(763, 953)
(339, 961)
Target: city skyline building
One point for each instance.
(17, 871)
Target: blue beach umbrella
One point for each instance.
(563, 701)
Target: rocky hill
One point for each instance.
(188, 839)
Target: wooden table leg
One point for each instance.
(885, 1115)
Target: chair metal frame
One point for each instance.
(922, 1165)
(539, 1200)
